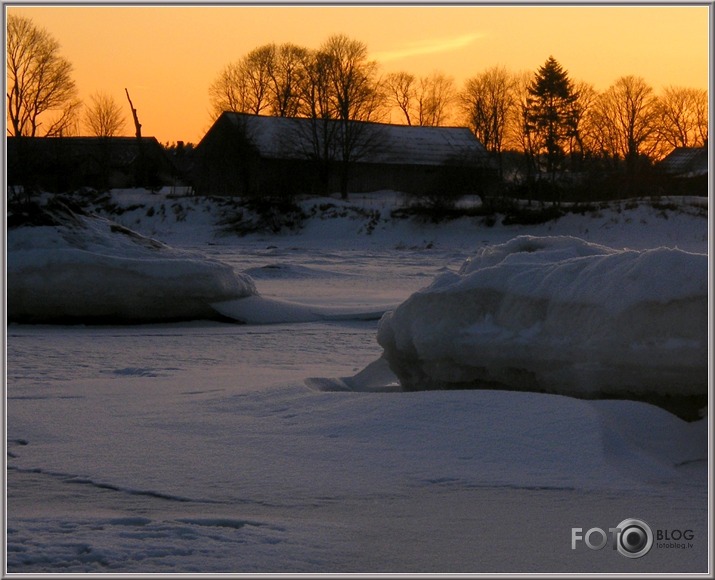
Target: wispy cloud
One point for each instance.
(430, 46)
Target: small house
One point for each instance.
(63, 164)
(686, 162)
(686, 169)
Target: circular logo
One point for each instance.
(635, 538)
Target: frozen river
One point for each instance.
(198, 446)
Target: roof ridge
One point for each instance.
(379, 123)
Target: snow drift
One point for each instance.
(63, 266)
(560, 315)
(259, 310)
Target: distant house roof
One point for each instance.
(686, 162)
(290, 138)
(120, 150)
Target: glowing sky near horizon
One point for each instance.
(167, 56)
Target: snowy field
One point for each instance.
(281, 446)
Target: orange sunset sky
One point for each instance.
(167, 56)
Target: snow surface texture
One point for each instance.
(85, 268)
(558, 315)
(196, 447)
(125, 457)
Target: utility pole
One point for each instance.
(137, 124)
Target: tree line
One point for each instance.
(557, 123)
(552, 121)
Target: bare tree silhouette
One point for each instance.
(683, 117)
(488, 101)
(40, 89)
(626, 115)
(103, 117)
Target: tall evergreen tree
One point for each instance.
(549, 114)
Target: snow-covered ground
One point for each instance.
(206, 446)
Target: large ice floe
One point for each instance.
(560, 315)
(65, 266)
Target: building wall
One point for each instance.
(219, 165)
(230, 170)
(65, 164)
(418, 179)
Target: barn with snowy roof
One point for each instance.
(244, 154)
